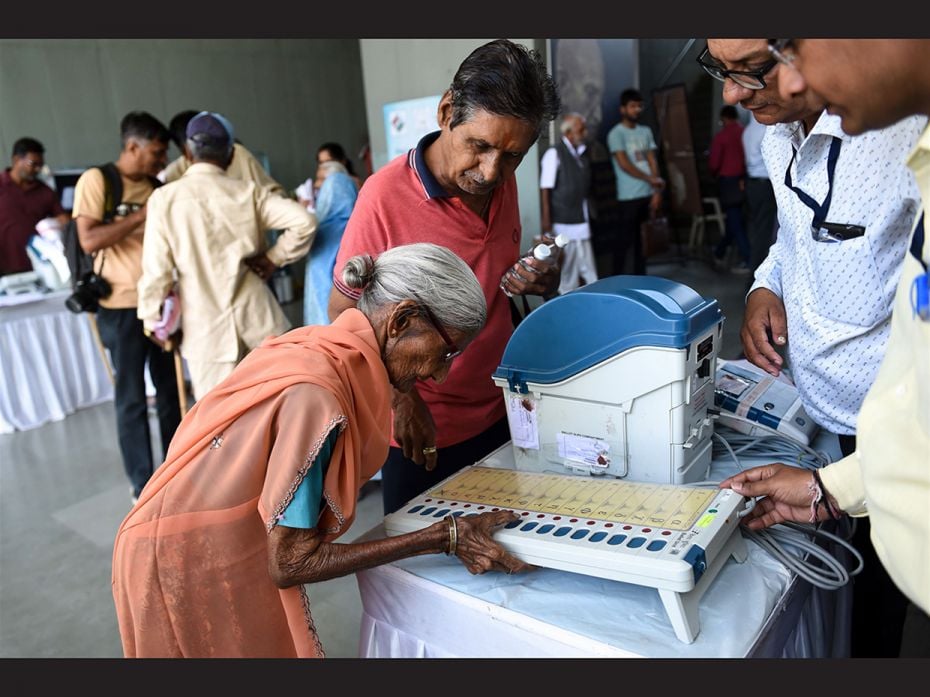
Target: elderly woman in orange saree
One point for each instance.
(263, 473)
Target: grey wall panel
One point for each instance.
(284, 97)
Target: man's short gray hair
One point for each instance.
(568, 121)
(426, 273)
(210, 151)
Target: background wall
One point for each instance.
(405, 69)
(284, 97)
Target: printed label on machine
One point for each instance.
(521, 414)
(587, 450)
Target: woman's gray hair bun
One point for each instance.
(358, 271)
(431, 275)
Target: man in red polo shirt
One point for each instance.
(727, 162)
(24, 201)
(457, 189)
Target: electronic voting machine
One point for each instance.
(615, 378)
(607, 390)
(672, 538)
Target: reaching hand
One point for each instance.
(765, 316)
(787, 491)
(530, 276)
(478, 551)
(414, 428)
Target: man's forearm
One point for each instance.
(102, 235)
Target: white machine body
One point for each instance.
(640, 413)
(748, 392)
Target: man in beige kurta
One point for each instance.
(207, 230)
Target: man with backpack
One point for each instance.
(110, 222)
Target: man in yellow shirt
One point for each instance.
(870, 84)
(207, 228)
(243, 166)
(117, 245)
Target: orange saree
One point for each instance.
(190, 562)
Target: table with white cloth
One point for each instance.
(431, 606)
(50, 362)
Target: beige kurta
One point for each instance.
(202, 227)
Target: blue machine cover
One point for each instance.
(575, 331)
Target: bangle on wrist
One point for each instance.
(453, 535)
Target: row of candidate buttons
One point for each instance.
(616, 539)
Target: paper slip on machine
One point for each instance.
(607, 389)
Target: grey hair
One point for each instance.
(210, 150)
(566, 125)
(426, 273)
(331, 167)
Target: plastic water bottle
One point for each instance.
(542, 252)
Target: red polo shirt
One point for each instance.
(403, 203)
(20, 210)
(727, 158)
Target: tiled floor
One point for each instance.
(63, 494)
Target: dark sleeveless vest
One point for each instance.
(572, 184)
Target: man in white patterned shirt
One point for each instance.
(846, 205)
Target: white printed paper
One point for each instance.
(591, 451)
(521, 414)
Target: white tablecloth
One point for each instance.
(50, 364)
(430, 606)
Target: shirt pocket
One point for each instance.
(847, 285)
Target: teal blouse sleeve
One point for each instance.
(304, 509)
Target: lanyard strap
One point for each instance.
(820, 210)
(917, 242)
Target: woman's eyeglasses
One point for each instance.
(453, 349)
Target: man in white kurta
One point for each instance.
(206, 232)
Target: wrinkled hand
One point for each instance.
(414, 428)
(787, 494)
(765, 316)
(530, 276)
(261, 265)
(478, 551)
(170, 344)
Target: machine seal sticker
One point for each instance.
(588, 450)
(521, 415)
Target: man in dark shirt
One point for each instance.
(728, 163)
(24, 201)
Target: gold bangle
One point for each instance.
(453, 535)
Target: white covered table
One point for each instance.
(430, 606)
(50, 363)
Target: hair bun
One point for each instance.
(358, 271)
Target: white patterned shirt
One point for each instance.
(838, 296)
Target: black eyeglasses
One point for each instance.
(453, 349)
(750, 79)
(782, 50)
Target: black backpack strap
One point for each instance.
(113, 190)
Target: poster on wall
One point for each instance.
(407, 121)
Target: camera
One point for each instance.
(87, 293)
